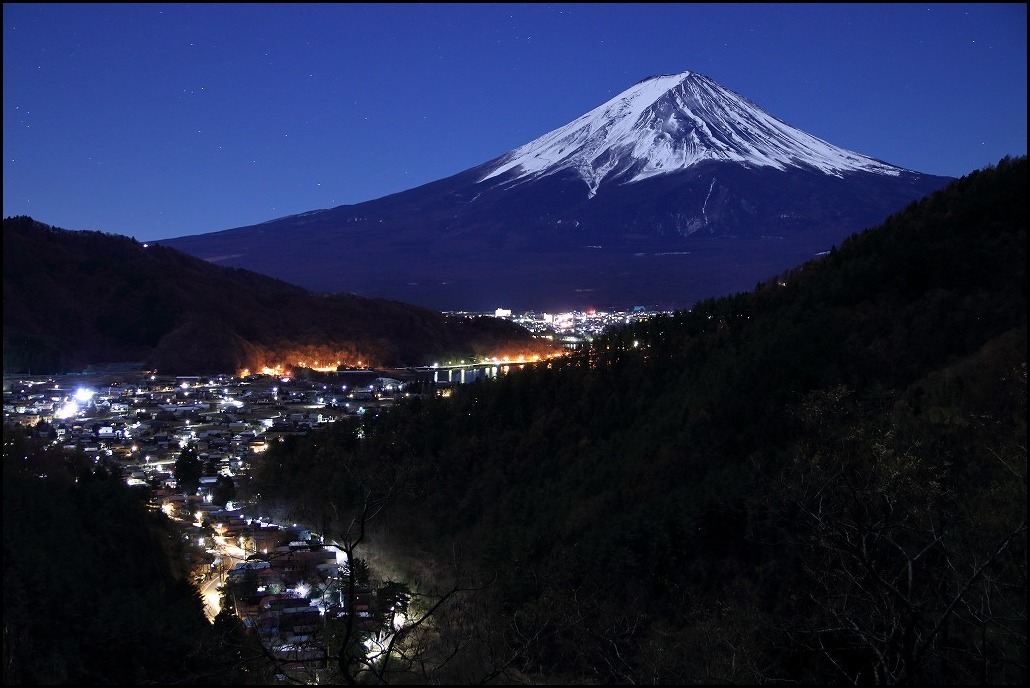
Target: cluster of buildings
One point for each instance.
(138, 423)
(282, 581)
(575, 329)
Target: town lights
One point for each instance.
(69, 410)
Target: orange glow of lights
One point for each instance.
(282, 364)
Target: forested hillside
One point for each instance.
(97, 587)
(821, 481)
(72, 299)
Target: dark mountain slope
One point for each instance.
(823, 480)
(77, 298)
(99, 586)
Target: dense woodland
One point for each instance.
(822, 481)
(78, 298)
(96, 586)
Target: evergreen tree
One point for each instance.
(224, 490)
(188, 469)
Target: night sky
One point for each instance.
(163, 120)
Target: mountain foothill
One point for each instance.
(75, 299)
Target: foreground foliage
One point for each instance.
(96, 586)
(820, 481)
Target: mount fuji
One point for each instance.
(673, 191)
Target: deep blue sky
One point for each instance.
(163, 120)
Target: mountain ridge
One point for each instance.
(73, 299)
(564, 232)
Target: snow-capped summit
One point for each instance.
(667, 124)
(675, 190)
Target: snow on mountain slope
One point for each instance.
(667, 124)
(689, 191)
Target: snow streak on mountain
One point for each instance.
(669, 123)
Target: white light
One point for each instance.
(68, 410)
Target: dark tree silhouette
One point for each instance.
(188, 470)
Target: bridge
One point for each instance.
(464, 373)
